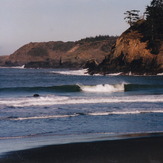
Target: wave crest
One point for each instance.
(63, 100)
(81, 72)
(103, 88)
(109, 113)
(100, 88)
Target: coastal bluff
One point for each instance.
(133, 53)
(58, 54)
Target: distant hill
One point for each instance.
(3, 59)
(61, 54)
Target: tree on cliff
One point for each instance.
(155, 19)
(132, 17)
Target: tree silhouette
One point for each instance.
(155, 19)
(132, 17)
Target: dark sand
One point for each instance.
(135, 150)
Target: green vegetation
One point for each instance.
(38, 51)
(154, 14)
(154, 25)
(154, 19)
(132, 17)
(97, 38)
(150, 25)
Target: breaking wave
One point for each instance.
(82, 72)
(64, 100)
(85, 88)
(15, 67)
(103, 88)
(40, 117)
(127, 112)
(68, 88)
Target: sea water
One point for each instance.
(73, 106)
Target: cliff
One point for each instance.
(133, 53)
(61, 54)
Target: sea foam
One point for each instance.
(81, 72)
(63, 100)
(123, 112)
(42, 117)
(103, 88)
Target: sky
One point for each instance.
(24, 21)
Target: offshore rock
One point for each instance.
(36, 95)
(91, 65)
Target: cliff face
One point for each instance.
(60, 54)
(132, 53)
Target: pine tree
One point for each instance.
(155, 19)
(132, 17)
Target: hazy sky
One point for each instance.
(24, 21)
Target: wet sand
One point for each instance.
(132, 150)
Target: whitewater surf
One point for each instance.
(73, 106)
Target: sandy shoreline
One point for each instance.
(134, 150)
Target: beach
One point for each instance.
(146, 149)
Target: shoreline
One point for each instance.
(139, 74)
(138, 148)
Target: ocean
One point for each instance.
(73, 106)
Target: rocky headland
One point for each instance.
(61, 54)
(133, 53)
(139, 50)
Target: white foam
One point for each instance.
(160, 74)
(103, 88)
(23, 66)
(81, 72)
(43, 117)
(31, 101)
(17, 67)
(63, 100)
(91, 114)
(114, 74)
(125, 112)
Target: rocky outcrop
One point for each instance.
(133, 53)
(61, 54)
